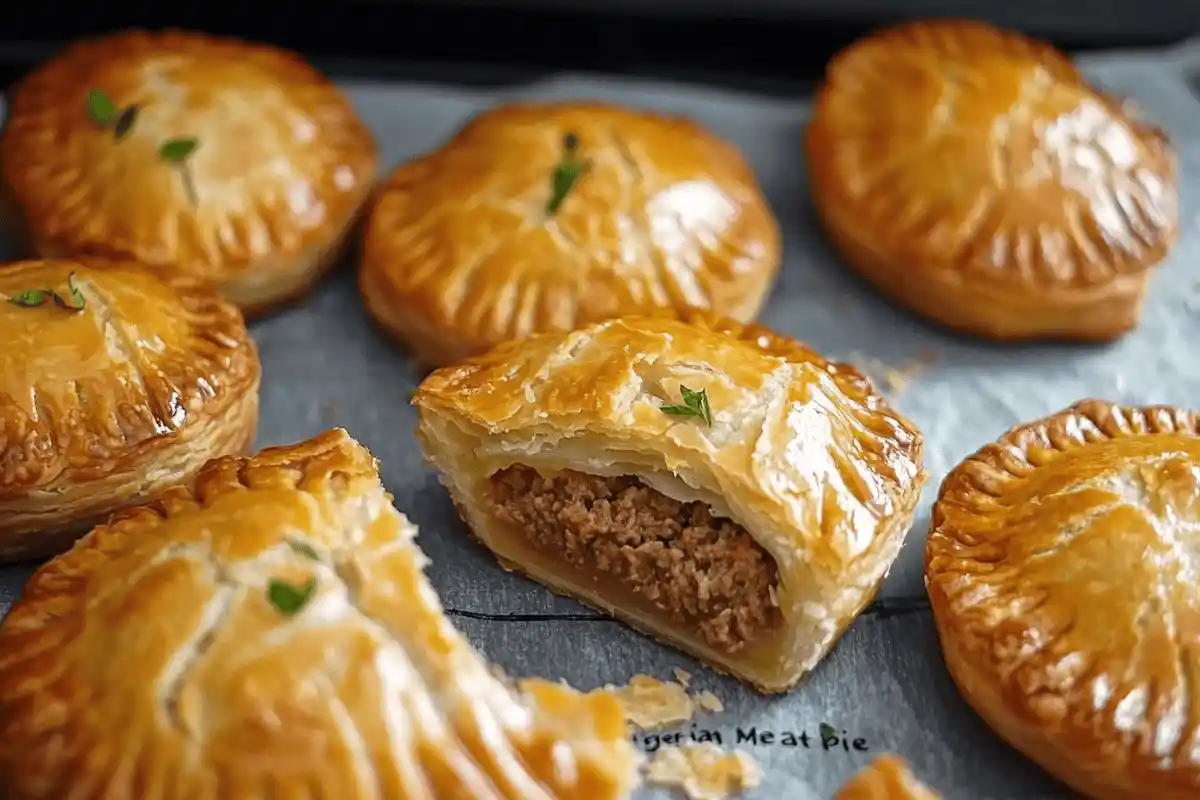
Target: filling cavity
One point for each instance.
(691, 567)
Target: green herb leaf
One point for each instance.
(176, 150)
(304, 548)
(31, 298)
(74, 301)
(100, 107)
(290, 599)
(566, 173)
(695, 404)
(125, 122)
(827, 731)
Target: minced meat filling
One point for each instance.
(696, 569)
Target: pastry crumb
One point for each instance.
(710, 702)
(886, 778)
(650, 703)
(704, 771)
(894, 378)
(683, 676)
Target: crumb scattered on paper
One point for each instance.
(710, 702)
(683, 676)
(894, 378)
(704, 771)
(885, 778)
(650, 703)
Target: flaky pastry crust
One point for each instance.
(264, 204)
(461, 252)
(150, 661)
(973, 175)
(802, 453)
(106, 407)
(1061, 570)
(885, 778)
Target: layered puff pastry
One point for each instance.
(271, 634)
(973, 175)
(715, 485)
(886, 778)
(116, 382)
(544, 217)
(1061, 566)
(230, 161)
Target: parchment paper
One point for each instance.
(885, 687)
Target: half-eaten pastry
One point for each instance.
(552, 216)
(1061, 566)
(720, 487)
(230, 161)
(886, 778)
(975, 177)
(271, 634)
(115, 383)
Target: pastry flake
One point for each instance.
(704, 771)
(886, 778)
(1061, 571)
(153, 660)
(975, 177)
(750, 543)
(116, 382)
(650, 703)
(230, 161)
(552, 216)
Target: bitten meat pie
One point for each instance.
(720, 487)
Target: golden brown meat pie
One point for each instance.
(885, 778)
(231, 161)
(271, 634)
(1061, 566)
(975, 177)
(543, 217)
(720, 487)
(115, 383)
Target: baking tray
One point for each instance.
(1113, 21)
(885, 685)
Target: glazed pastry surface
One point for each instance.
(885, 778)
(974, 176)
(1061, 569)
(280, 169)
(104, 406)
(158, 659)
(462, 251)
(802, 456)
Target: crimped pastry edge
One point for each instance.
(1002, 460)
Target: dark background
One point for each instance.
(726, 41)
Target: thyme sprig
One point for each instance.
(73, 300)
(174, 152)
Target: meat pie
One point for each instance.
(269, 632)
(718, 486)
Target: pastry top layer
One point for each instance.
(960, 147)
(1062, 563)
(83, 391)
(281, 162)
(803, 447)
(171, 620)
(664, 215)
